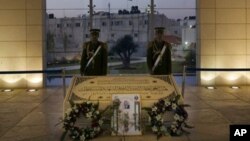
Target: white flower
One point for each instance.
(100, 122)
(154, 129)
(163, 109)
(154, 108)
(75, 109)
(174, 106)
(178, 132)
(71, 123)
(89, 114)
(82, 137)
(163, 128)
(181, 118)
(92, 135)
(158, 117)
(97, 112)
(68, 111)
(173, 127)
(167, 103)
(97, 129)
(92, 109)
(68, 117)
(176, 117)
(162, 120)
(174, 123)
(87, 135)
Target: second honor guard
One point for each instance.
(94, 56)
(159, 54)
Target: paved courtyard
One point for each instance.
(26, 116)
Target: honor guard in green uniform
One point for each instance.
(94, 56)
(159, 54)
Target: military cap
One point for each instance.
(159, 29)
(94, 31)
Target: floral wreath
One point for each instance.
(156, 117)
(88, 110)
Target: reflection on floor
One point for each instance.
(26, 116)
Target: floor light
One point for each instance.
(235, 87)
(7, 90)
(210, 87)
(32, 90)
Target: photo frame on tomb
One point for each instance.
(126, 117)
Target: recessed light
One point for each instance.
(210, 87)
(235, 87)
(7, 90)
(32, 90)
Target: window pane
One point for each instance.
(68, 25)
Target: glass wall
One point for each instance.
(68, 24)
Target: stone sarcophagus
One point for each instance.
(101, 88)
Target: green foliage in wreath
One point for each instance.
(157, 111)
(88, 110)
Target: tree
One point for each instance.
(50, 41)
(125, 47)
(65, 42)
(190, 59)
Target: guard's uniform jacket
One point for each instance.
(98, 66)
(164, 66)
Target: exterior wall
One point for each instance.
(21, 42)
(224, 40)
(188, 31)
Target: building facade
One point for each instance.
(66, 35)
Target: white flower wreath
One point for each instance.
(156, 116)
(88, 110)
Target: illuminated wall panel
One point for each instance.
(13, 4)
(21, 42)
(230, 15)
(208, 78)
(208, 47)
(12, 17)
(231, 31)
(208, 16)
(225, 42)
(234, 47)
(230, 3)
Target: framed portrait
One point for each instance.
(126, 117)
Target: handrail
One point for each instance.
(185, 69)
(217, 69)
(62, 71)
(32, 71)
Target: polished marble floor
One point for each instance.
(26, 116)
